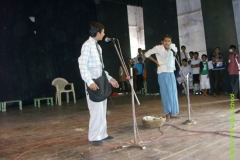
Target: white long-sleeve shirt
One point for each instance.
(165, 58)
(185, 70)
(89, 62)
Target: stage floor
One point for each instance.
(60, 132)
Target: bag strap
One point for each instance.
(99, 54)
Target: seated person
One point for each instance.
(184, 70)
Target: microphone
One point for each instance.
(109, 39)
(174, 53)
(173, 48)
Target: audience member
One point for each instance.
(218, 71)
(190, 57)
(140, 68)
(204, 76)
(195, 63)
(184, 70)
(233, 60)
(183, 53)
(140, 54)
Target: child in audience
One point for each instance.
(233, 60)
(191, 57)
(183, 53)
(204, 77)
(140, 69)
(195, 63)
(184, 70)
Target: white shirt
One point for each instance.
(89, 62)
(185, 70)
(182, 55)
(165, 58)
(136, 59)
(193, 62)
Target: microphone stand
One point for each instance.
(236, 59)
(189, 121)
(133, 93)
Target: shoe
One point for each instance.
(108, 137)
(97, 143)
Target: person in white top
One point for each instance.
(91, 66)
(184, 70)
(140, 54)
(195, 65)
(190, 57)
(166, 78)
(183, 53)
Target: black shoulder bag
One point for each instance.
(105, 88)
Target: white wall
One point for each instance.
(190, 24)
(136, 29)
(236, 9)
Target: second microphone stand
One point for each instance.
(133, 94)
(189, 121)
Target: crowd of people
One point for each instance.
(206, 74)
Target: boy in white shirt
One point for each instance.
(195, 63)
(166, 78)
(185, 69)
(204, 77)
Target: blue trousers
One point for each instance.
(168, 90)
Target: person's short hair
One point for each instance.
(183, 47)
(95, 27)
(196, 53)
(204, 55)
(139, 49)
(166, 36)
(217, 48)
(184, 60)
(233, 46)
(140, 58)
(191, 52)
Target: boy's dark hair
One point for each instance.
(183, 47)
(191, 52)
(233, 46)
(196, 53)
(95, 27)
(217, 48)
(140, 58)
(139, 49)
(166, 36)
(184, 60)
(204, 55)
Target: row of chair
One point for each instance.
(59, 83)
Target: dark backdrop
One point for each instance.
(29, 62)
(220, 30)
(160, 18)
(115, 19)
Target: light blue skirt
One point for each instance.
(169, 95)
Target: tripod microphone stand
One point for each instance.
(133, 94)
(189, 121)
(236, 59)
